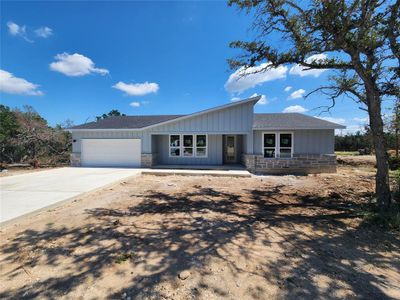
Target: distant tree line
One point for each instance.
(26, 137)
(361, 140)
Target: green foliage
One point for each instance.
(389, 220)
(396, 189)
(394, 163)
(124, 257)
(353, 142)
(112, 113)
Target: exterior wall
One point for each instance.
(214, 157)
(234, 119)
(299, 164)
(305, 141)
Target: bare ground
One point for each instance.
(273, 237)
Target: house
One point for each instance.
(227, 134)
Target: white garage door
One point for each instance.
(110, 152)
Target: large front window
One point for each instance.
(188, 145)
(175, 145)
(278, 145)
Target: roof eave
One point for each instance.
(298, 128)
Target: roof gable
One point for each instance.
(147, 122)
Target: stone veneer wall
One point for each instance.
(75, 159)
(298, 164)
(148, 160)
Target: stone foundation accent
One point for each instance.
(75, 159)
(148, 160)
(298, 164)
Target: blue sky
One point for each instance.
(75, 60)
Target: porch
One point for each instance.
(198, 151)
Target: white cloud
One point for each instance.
(302, 71)
(296, 94)
(244, 79)
(295, 109)
(44, 32)
(263, 100)
(235, 99)
(14, 85)
(17, 30)
(75, 65)
(137, 89)
(334, 120)
(288, 88)
(135, 104)
(361, 120)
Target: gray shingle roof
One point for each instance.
(126, 122)
(285, 121)
(272, 121)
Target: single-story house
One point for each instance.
(227, 134)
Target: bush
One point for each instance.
(394, 163)
(388, 221)
(396, 189)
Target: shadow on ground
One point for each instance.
(166, 233)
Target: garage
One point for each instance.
(110, 152)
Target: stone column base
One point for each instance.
(148, 160)
(75, 159)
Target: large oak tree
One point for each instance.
(359, 40)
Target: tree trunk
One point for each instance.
(382, 174)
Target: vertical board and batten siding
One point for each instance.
(316, 141)
(234, 119)
(214, 157)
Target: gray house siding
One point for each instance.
(305, 141)
(214, 157)
(234, 119)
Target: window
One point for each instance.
(285, 145)
(188, 145)
(175, 145)
(269, 145)
(201, 145)
(278, 145)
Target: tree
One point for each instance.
(8, 129)
(112, 113)
(357, 39)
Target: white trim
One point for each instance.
(277, 143)
(181, 146)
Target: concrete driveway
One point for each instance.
(27, 193)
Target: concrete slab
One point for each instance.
(222, 173)
(28, 193)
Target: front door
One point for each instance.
(230, 149)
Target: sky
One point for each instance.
(76, 60)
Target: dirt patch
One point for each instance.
(357, 160)
(179, 237)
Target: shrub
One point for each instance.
(394, 163)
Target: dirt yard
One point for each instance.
(272, 237)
